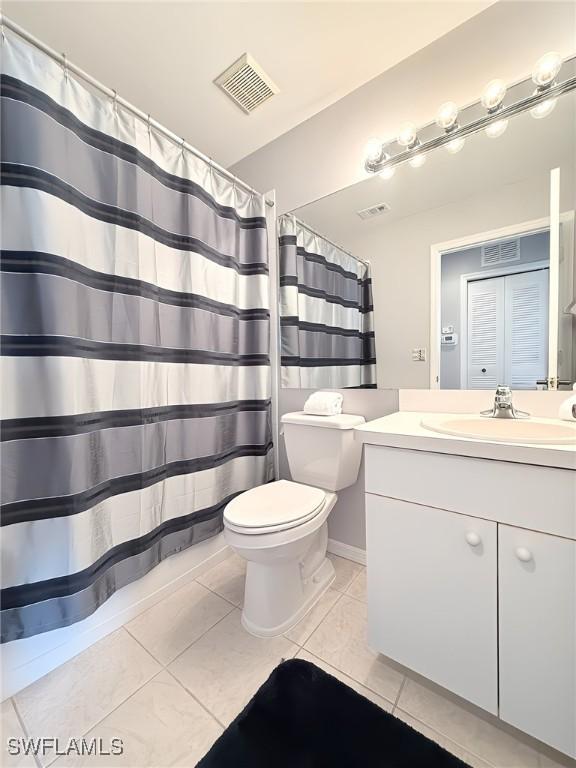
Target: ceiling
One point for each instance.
(528, 150)
(164, 56)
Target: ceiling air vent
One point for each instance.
(247, 84)
(500, 253)
(374, 210)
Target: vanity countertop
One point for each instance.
(404, 430)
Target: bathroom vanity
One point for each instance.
(471, 551)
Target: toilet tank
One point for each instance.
(322, 450)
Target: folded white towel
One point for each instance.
(324, 404)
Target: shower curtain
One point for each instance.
(326, 313)
(135, 369)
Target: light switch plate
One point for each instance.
(419, 355)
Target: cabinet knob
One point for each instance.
(473, 539)
(523, 554)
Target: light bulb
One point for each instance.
(447, 115)
(374, 150)
(493, 95)
(455, 145)
(418, 160)
(387, 172)
(496, 129)
(543, 109)
(546, 69)
(407, 135)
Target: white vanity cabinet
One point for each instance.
(432, 595)
(537, 635)
(462, 588)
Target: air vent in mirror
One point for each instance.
(246, 83)
(502, 252)
(374, 210)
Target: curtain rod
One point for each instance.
(331, 242)
(111, 93)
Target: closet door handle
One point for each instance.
(473, 539)
(524, 554)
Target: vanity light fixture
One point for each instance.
(407, 137)
(493, 95)
(546, 69)
(455, 145)
(418, 160)
(447, 116)
(544, 77)
(374, 152)
(493, 130)
(543, 109)
(414, 143)
(387, 172)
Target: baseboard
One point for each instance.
(347, 551)
(25, 661)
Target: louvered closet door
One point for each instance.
(485, 343)
(526, 329)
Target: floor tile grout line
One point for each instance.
(217, 593)
(301, 645)
(162, 664)
(20, 719)
(234, 608)
(402, 685)
(350, 678)
(323, 619)
(446, 736)
(195, 698)
(354, 580)
(352, 597)
(124, 701)
(134, 692)
(365, 684)
(139, 688)
(144, 647)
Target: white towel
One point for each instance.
(324, 404)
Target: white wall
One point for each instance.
(325, 153)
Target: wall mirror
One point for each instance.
(455, 274)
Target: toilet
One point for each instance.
(281, 529)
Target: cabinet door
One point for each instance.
(432, 595)
(537, 576)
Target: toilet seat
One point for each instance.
(276, 506)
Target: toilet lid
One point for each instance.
(274, 504)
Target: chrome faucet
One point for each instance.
(503, 407)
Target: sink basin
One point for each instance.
(536, 431)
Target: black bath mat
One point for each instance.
(304, 718)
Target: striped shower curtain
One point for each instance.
(326, 313)
(135, 368)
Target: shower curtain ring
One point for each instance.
(182, 147)
(149, 124)
(65, 66)
(115, 101)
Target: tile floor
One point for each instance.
(172, 679)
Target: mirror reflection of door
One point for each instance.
(495, 313)
(507, 331)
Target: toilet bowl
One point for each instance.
(287, 569)
(280, 528)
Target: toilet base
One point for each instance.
(287, 571)
(317, 584)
